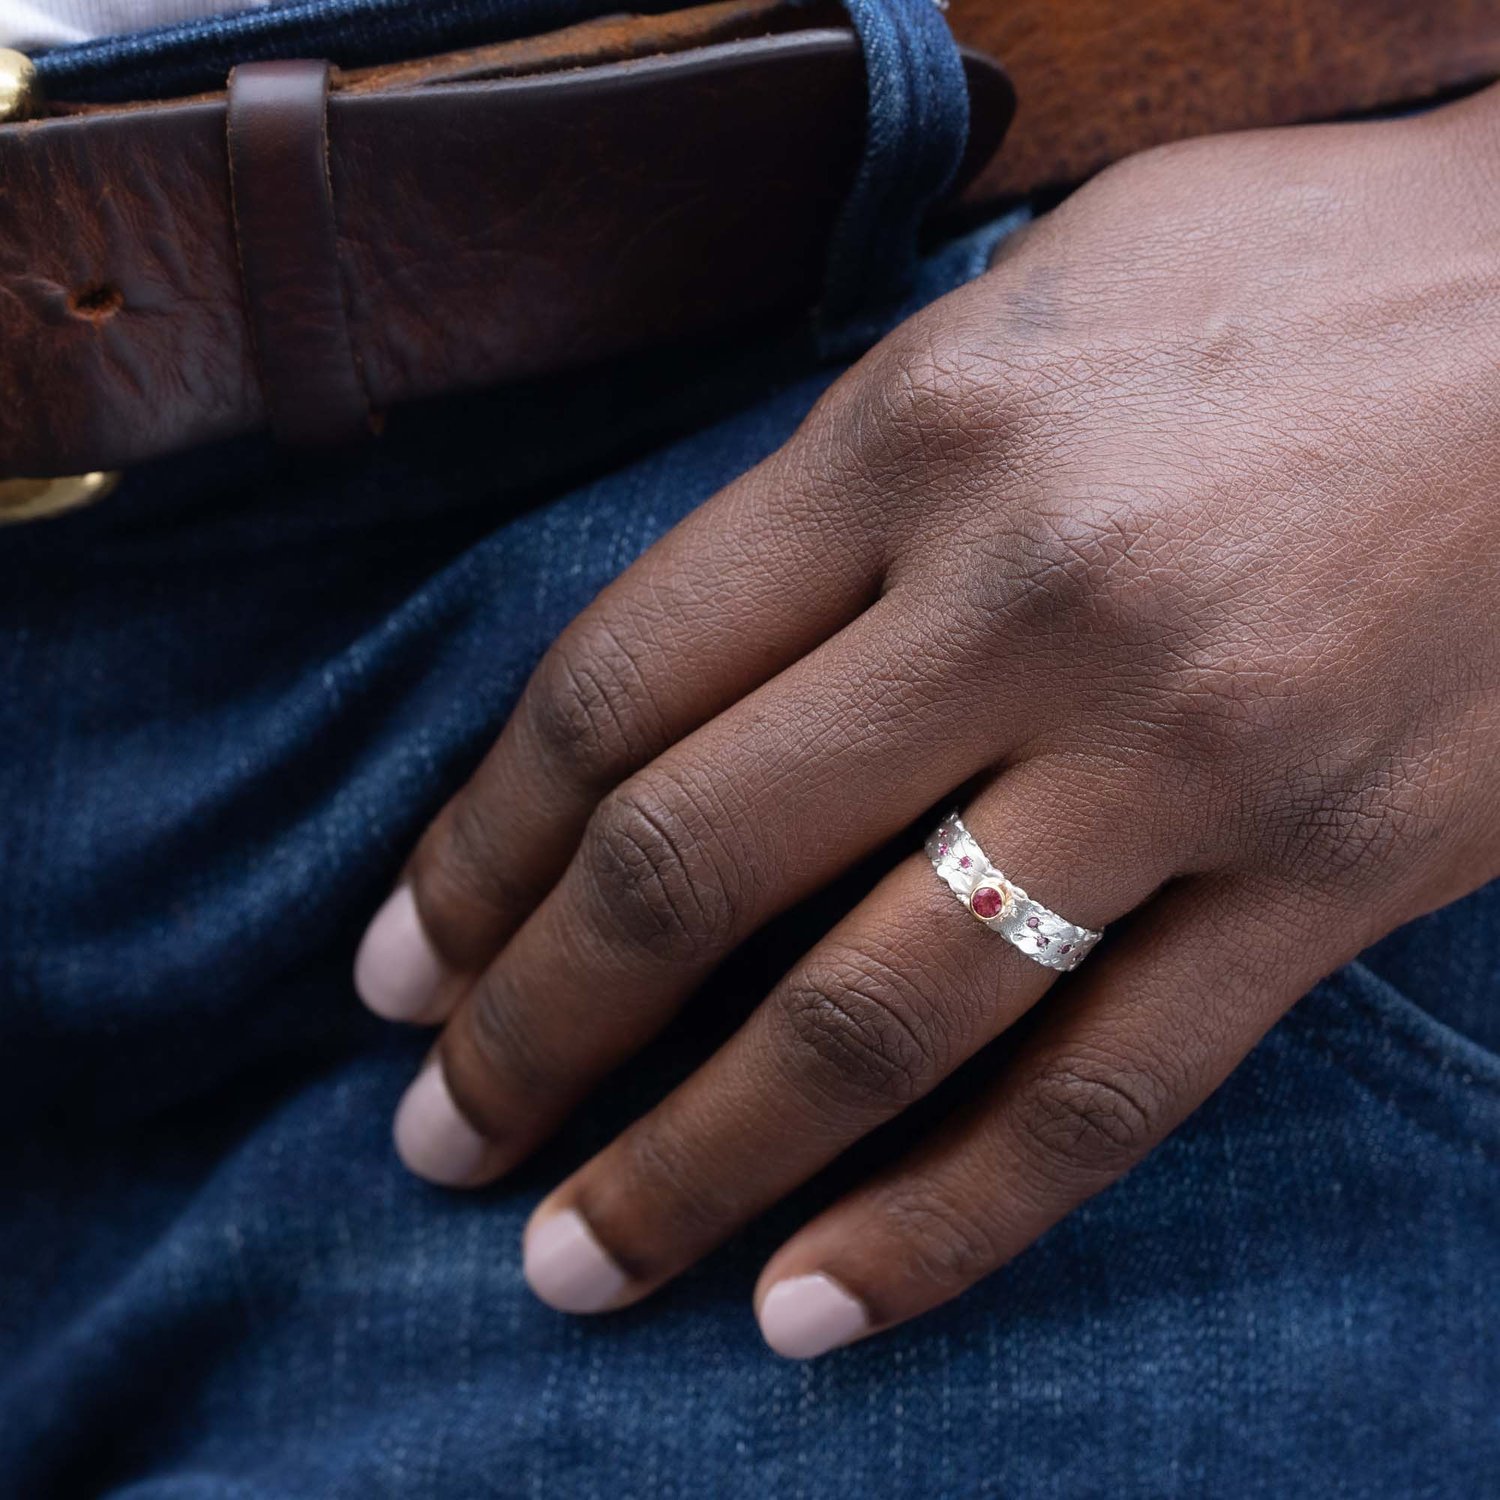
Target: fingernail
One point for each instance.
(806, 1316)
(567, 1267)
(434, 1140)
(397, 971)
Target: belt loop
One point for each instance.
(917, 126)
(287, 239)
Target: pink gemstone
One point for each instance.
(965, 862)
(1033, 923)
(1066, 948)
(986, 902)
(942, 851)
(1042, 942)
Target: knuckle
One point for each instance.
(1083, 1116)
(860, 1038)
(1095, 557)
(940, 1242)
(1091, 570)
(665, 886)
(927, 388)
(937, 391)
(468, 846)
(465, 880)
(662, 1173)
(495, 1060)
(587, 707)
(476, 856)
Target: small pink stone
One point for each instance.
(965, 862)
(1033, 923)
(986, 902)
(1066, 948)
(942, 851)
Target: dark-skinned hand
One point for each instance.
(1174, 540)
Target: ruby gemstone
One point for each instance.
(986, 902)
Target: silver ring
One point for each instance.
(1003, 907)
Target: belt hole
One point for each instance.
(97, 303)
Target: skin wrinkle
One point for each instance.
(1174, 540)
(592, 722)
(512, 1052)
(857, 1048)
(473, 856)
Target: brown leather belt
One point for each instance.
(312, 248)
(282, 254)
(1100, 79)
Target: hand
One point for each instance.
(1173, 542)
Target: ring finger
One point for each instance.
(761, 807)
(901, 993)
(1114, 1065)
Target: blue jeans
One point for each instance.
(231, 697)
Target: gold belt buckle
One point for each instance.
(32, 499)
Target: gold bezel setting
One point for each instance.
(991, 899)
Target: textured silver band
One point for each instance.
(1042, 935)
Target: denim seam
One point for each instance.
(1352, 1066)
(1485, 1063)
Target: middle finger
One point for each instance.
(762, 806)
(905, 989)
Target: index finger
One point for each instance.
(753, 581)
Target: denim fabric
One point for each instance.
(914, 142)
(198, 55)
(230, 698)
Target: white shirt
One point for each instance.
(29, 25)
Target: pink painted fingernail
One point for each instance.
(397, 972)
(805, 1316)
(567, 1267)
(435, 1141)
